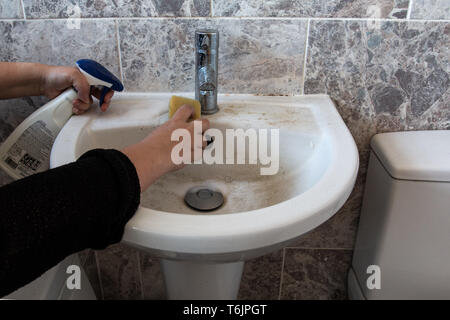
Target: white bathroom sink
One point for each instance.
(317, 171)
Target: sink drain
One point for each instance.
(203, 199)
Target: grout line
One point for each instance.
(306, 56)
(140, 274)
(211, 8)
(119, 50)
(23, 10)
(281, 276)
(317, 248)
(99, 275)
(408, 13)
(12, 20)
(240, 18)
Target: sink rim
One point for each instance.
(248, 230)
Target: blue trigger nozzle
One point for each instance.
(98, 75)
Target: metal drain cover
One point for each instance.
(203, 199)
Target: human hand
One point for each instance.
(152, 156)
(56, 79)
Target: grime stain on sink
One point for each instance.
(265, 117)
(242, 186)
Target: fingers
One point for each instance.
(107, 100)
(183, 113)
(79, 106)
(84, 99)
(77, 111)
(80, 84)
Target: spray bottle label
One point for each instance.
(30, 153)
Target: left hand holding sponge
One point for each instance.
(152, 155)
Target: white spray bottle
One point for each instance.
(27, 150)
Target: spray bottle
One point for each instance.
(27, 150)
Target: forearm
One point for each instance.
(149, 167)
(20, 79)
(152, 157)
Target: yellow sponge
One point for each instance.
(176, 102)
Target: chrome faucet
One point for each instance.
(206, 69)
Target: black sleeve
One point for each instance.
(50, 215)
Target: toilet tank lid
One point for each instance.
(415, 155)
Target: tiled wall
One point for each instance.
(384, 62)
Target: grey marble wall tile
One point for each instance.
(255, 56)
(262, 56)
(430, 9)
(152, 278)
(119, 272)
(315, 274)
(383, 76)
(261, 277)
(116, 8)
(437, 117)
(52, 42)
(316, 8)
(340, 230)
(11, 9)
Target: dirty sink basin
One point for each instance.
(318, 162)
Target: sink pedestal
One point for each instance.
(186, 280)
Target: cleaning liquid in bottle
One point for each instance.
(27, 150)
